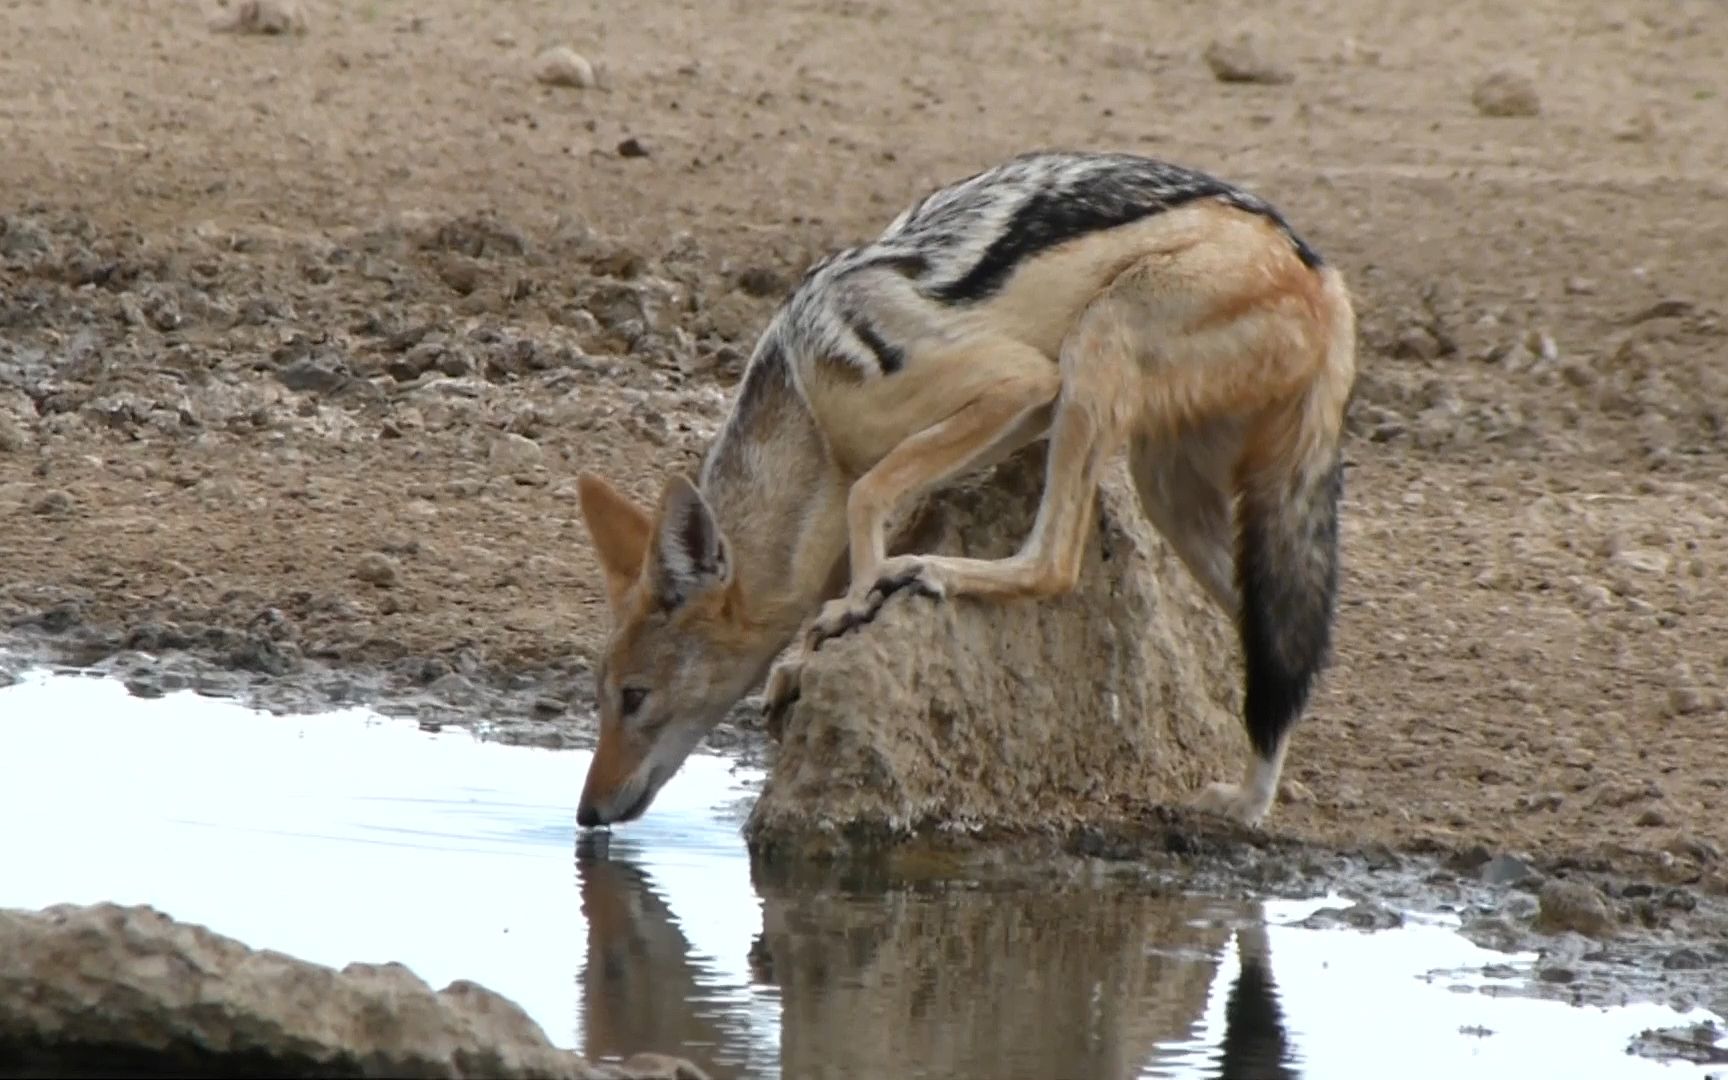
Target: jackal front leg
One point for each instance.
(1007, 416)
(1093, 411)
(780, 693)
(1048, 562)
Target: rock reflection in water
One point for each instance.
(936, 981)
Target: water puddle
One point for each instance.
(352, 837)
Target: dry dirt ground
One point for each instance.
(304, 337)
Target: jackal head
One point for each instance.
(681, 652)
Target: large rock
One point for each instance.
(968, 714)
(111, 990)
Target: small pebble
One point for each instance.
(376, 568)
(632, 147)
(1638, 128)
(564, 66)
(1643, 560)
(52, 502)
(12, 437)
(1241, 61)
(1505, 870)
(1573, 906)
(1686, 700)
(514, 453)
(260, 17)
(761, 281)
(1506, 93)
(1416, 343)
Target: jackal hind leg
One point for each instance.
(1184, 489)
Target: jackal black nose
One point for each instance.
(587, 816)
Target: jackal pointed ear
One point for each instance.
(621, 531)
(690, 552)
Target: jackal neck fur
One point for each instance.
(777, 497)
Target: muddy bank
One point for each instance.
(551, 707)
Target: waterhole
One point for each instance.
(349, 836)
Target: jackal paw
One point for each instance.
(778, 696)
(905, 573)
(1234, 802)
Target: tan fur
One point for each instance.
(1196, 338)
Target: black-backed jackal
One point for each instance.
(1098, 300)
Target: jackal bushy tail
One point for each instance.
(1290, 482)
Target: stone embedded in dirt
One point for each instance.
(1416, 342)
(478, 235)
(1470, 859)
(461, 274)
(259, 17)
(12, 436)
(1677, 899)
(1640, 127)
(563, 66)
(313, 374)
(1505, 870)
(1685, 959)
(86, 990)
(1362, 915)
(513, 453)
(1651, 818)
(1242, 60)
(1572, 906)
(944, 716)
(1643, 560)
(455, 689)
(1492, 931)
(377, 568)
(52, 502)
(762, 281)
(1688, 846)
(1595, 597)
(1505, 93)
(632, 147)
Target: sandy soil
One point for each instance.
(304, 337)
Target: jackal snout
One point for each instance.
(616, 804)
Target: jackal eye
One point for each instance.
(630, 700)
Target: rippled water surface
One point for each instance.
(352, 837)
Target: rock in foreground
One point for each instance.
(1032, 714)
(111, 990)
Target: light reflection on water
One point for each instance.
(350, 837)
